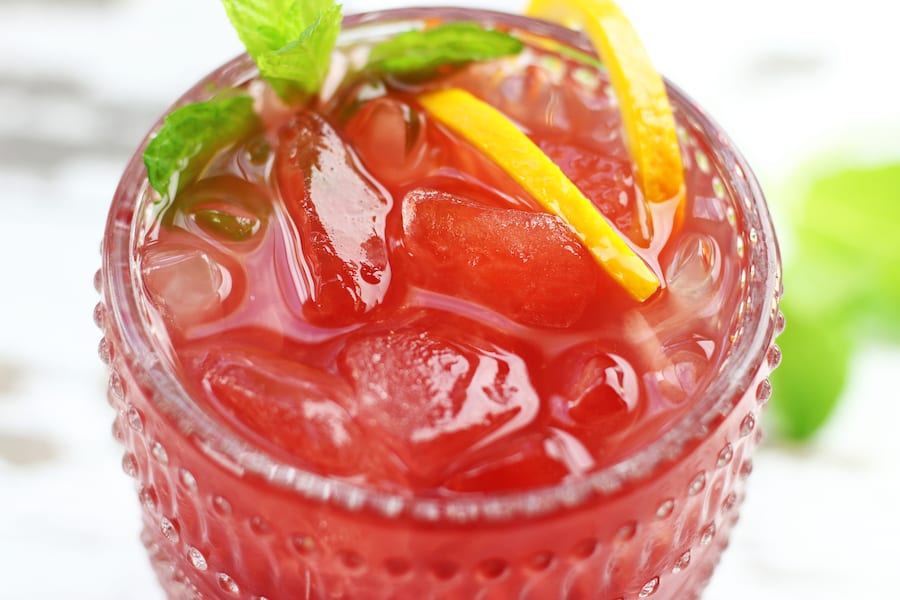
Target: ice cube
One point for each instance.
(523, 462)
(435, 395)
(695, 278)
(527, 97)
(694, 274)
(607, 182)
(250, 160)
(551, 97)
(528, 266)
(299, 408)
(403, 146)
(225, 210)
(593, 390)
(340, 217)
(679, 369)
(191, 282)
(389, 137)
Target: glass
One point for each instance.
(223, 519)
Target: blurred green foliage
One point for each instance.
(842, 283)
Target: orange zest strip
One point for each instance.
(496, 136)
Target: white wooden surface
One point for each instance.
(81, 81)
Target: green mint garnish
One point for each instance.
(842, 282)
(421, 52)
(817, 350)
(582, 57)
(191, 136)
(234, 227)
(290, 40)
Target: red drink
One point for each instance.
(355, 360)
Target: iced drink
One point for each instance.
(353, 358)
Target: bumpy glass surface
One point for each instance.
(224, 518)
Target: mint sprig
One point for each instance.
(290, 40)
(191, 136)
(422, 52)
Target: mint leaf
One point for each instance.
(234, 227)
(577, 55)
(191, 136)
(843, 282)
(421, 52)
(854, 216)
(290, 40)
(817, 348)
(582, 57)
(305, 61)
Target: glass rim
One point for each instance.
(233, 452)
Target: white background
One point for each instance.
(82, 80)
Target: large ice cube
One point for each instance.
(340, 217)
(437, 394)
(528, 266)
(299, 408)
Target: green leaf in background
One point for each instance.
(191, 136)
(290, 40)
(856, 215)
(808, 384)
(842, 282)
(421, 52)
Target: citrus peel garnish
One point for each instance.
(646, 113)
(497, 137)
